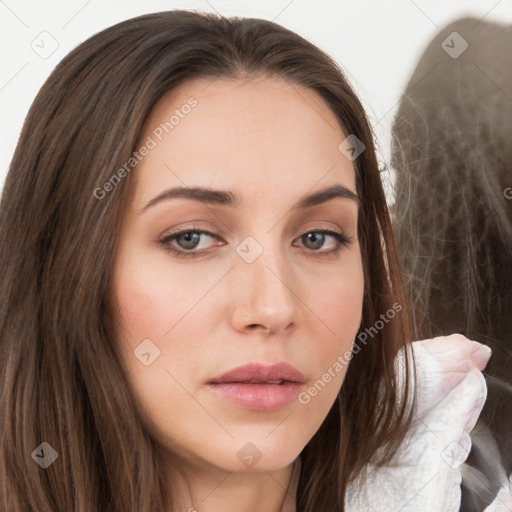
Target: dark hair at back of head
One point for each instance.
(453, 160)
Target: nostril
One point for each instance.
(256, 326)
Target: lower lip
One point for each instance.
(259, 397)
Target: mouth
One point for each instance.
(259, 387)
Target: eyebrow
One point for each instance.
(228, 198)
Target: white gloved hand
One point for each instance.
(423, 474)
(503, 501)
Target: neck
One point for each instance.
(206, 488)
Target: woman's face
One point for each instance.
(277, 285)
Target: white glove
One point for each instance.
(503, 502)
(423, 474)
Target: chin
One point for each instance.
(258, 453)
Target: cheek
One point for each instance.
(151, 300)
(340, 303)
(158, 314)
(152, 319)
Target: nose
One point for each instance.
(262, 295)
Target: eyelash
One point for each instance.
(342, 239)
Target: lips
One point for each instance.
(259, 387)
(261, 373)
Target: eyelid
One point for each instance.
(325, 229)
(198, 229)
(188, 229)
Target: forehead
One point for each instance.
(261, 135)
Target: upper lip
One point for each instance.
(258, 372)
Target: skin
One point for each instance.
(271, 143)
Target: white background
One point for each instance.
(377, 43)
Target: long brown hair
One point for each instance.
(452, 154)
(62, 381)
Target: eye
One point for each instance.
(315, 240)
(187, 241)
